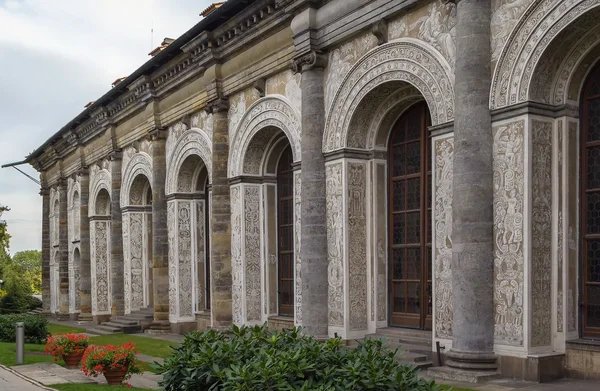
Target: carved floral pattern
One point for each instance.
(442, 252)
(406, 60)
(172, 234)
(237, 272)
(508, 232)
(100, 268)
(357, 243)
(335, 243)
(192, 142)
(297, 239)
(184, 248)
(252, 252)
(560, 228)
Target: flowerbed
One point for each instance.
(66, 344)
(256, 359)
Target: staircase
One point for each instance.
(134, 322)
(414, 345)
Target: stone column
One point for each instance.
(313, 247)
(160, 240)
(472, 194)
(116, 238)
(63, 248)
(45, 193)
(84, 249)
(220, 224)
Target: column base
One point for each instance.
(63, 316)
(158, 327)
(468, 376)
(98, 319)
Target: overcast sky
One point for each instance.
(56, 56)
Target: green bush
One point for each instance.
(36, 328)
(252, 358)
(13, 303)
(33, 303)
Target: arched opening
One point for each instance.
(102, 203)
(409, 252)
(138, 266)
(590, 205)
(285, 232)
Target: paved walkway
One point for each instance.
(508, 385)
(10, 381)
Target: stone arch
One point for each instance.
(378, 74)
(193, 142)
(101, 181)
(264, 119)
(140, 164)
(534, 55)
(102, 203)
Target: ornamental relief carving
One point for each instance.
(357, 243)
(237, 272)
(138, 164)
(252, 252)
(410, 61)
(237, 108)
(444, 157)
(135, 247)
(335, 243)
(200, 254)
(172, 234)
(298, 242)
(535, 31)
(560, 229)
(508, 163)
(191, 143)
(184, 248)
(99, 179)
(100, 267)
(541, 234)
(505, 14)
(126, 263)
(273, 111)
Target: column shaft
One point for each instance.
(85, 290)
(220, 225)
(313, 248)
(63, 247)
(160, 240)
(472, 230)
(45, 193)
(116, 240)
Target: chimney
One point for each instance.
(211, 8)
(89, 104)
(116, 82)
(166, 42)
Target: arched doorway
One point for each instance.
(409, 253)
(285, 233)
(590, 205)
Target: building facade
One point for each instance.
(421, 164)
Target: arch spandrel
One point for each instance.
(139, 164)
(192, 142)
(533, 35)
(405, 60)
(271, 112)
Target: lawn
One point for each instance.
(93, 387)
(33, 354)
(61, 329)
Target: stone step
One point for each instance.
(126, 329)
(97, 331)
(124, 321)
(109, 328)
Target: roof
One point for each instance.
(211, 8)
(224, 12)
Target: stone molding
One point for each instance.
(139, 164)
(272, 111)
(192, 142)
(312, 60)
(541, 23)
(407, 60)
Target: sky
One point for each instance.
(55, 57)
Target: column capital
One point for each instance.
(83, 171)
(218, 105)
(115, 155)
(44, 191)
(311, 60)
(158, 134)
(61, 184)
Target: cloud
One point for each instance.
(56, 56)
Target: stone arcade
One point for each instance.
(427, 165)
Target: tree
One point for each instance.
(29, 262)
(4, 243)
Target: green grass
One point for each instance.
(149, 346)
(33, 354)
(93, 387)
(60, 329)
(445, 387)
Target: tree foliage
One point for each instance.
(29, 264)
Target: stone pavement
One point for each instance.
(10, 381)
(49, 373)
(507, 385)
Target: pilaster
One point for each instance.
(116, 237)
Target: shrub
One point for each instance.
(99, 358)
(33, 303)
(36, 328)
(252, 358)
(65, 344)
(13, 303)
